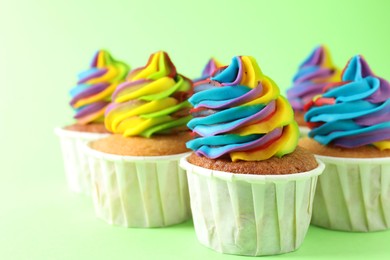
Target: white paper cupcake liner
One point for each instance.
(75, 162)
(353, 194)
(247, 214)
(304, 131)
(139, 191)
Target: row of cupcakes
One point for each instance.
(346, 116)
(250, 187)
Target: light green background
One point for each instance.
(44, 44)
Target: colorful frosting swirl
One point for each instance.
(240, 113)
(153, 100)
(354, 112)
(95, 86)
(313, 75)
(212, 66)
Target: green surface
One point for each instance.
(44, 44)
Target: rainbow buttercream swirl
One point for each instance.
(240, 113)
(152, 100)
(95, 86)
(354, 112)
(313, 75)
(212, 67)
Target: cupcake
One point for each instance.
(212, 66)
(90, 98)
(350, 133)
(312, 76)
(251, 187)
(136, 179)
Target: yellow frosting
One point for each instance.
(253, 128)
(151, 101)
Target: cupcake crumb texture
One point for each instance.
(89, 128)
(300, 160)
(159, 145)
(366, 151)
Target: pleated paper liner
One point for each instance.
(75, 162)
(353, 194)
(139, 191)
(304, 131)
(247, 214)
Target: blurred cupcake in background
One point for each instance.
(212, 67)
(251, 187)
(350, 133)
(313, 75)
(137, 181)
(89, 99)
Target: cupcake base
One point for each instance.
(335, 151)
(304, 131)
(301, 160)
(246, 214)
(299, 117)
(75, 162)
(353, 195)
(139, 191)
(158, 145)
(97, 128)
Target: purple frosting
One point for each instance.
(274, 134)
(359, 64)
(129, 84)
(96, 74)
(313, 75)
(92, 90)
(354, 113)
(94, 107)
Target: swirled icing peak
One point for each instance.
(240, 113)
(95, 86)
(212, 67)
(313, 75)
(152, 100)
(354, 112)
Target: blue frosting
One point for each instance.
(223, 121)
(359, 111)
